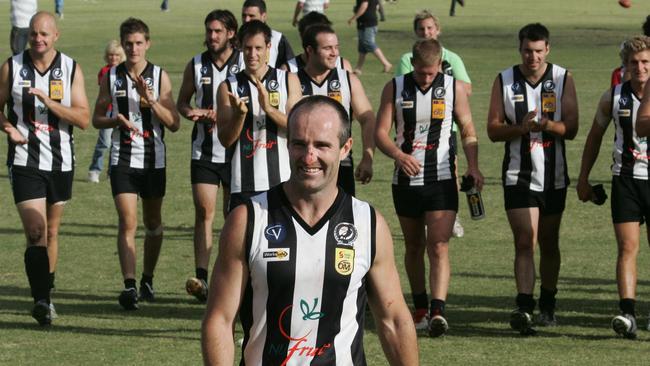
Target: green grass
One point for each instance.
(585, 36)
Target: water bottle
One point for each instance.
(474, 199)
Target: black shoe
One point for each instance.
(197, 288)
(625, 325)
(41, 312)
(146, 292)
(546, 319)
(438, 326)
(129, 299)
(523, 322)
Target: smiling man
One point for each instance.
(534, 109)
(299, 261)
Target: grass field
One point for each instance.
(91, 329)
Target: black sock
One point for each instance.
(627, 306)
(420, 301)
(525, 302)
(52, 275)
(202, 274)
(146, 279)
(437, 307)
(129, 283)
(547, 300)
(37, 267)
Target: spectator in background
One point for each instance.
(620, 74)
(21, 12)
(365, 14)
(307, 6)
(58, 8)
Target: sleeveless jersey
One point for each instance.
(207, 77)
(305, 298)
(336, 86)
(144, 147)
(260, 157)
(50, 145)
(297, 63)
(280, 50)
(536, 160)
(630, 153)
(423, 122)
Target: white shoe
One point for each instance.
(93, 176)
(458, 229)
(53, 313)
(421, 319)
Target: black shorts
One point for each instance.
(210, 173)
(630, 200)
(414, 201)
(346, 179)
(549, 202)
(31, 183)
(147, 183)
(240, 198)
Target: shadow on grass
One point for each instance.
(110, 231)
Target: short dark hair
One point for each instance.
(226, 18)
(309, 38)
(310, 19)
(133, 25)
(252, 28)
(313, 101)
(533, 32)
(646, 26)
(260, 4)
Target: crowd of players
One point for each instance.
(242, 94)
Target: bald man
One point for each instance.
(43, 90)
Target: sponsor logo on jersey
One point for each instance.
(515, 87)
(241, 89)
(25, 84)
(24, 72)
(624, 112)
(296, 351)
(345, 234)
(407, 104)
(277, 255)
(518, 98)
(344, 261)
(275, 233)
(439, 92)
(206, 80)
(204, 70)
(622, 101)
(118, 83)
(120, 93)
(57, 73)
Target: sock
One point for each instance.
(52, 275)
(547, 300)
(37, 267)
(420, 301)
(437, 307)
(146, 279)
(129, 283)
(525, 302)
(202, 274)
(627, 306)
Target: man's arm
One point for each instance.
(392, 317)
(164, 108)
(229, 278)
(497, 128)
(567, 128)
(184, 101)
(299, 5)
(231, 116)
(78, 113)
(100, 120)
(643, 114)
(363, 113)
(5, 90)
(360, 10)
(592, 145)
(467, 133)
(407, 163)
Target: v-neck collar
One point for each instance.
(549, 68)
(311, 230)
(49, 67)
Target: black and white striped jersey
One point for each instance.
(423, 122)
(280, 51)
(144, 147)
(306, 292)
(295, 64)
(207, 77)
(536, 160)
(336, 86)
(630, 153)
(260, 159)
(50, 145)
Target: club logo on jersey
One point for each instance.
(233, 69)
(515, 87)
(406, 94)
(273, 85)
(149, 83)
(204, 70)
(335, 85)
(622, 101)
(24, 72)
(57, 73)
(549, 85)
(277, 255)
(275, 233)
(118, 83)
(240, 90)
(344, 261)
(274, 99)
(439, 92)
(56, 89)
(345, 234)
(548, 102)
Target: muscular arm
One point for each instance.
(296, 12)
(392, 317)
(497, 128)
(227, 285)
(592, 145)
(643, 114)
(230, 119)
(567, 128)
(184, 101)
(366, 117)
(100, 120)
(467, 133)
(165, 108)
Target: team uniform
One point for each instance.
(630, 191)
(423, 125)
(260, 158)
(137, 156)
(534, 172)
(210, 159)
(305, 297)
(280, 51)
(336, 86)
(297, 63)
(44, 166)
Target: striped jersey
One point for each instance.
(336, 86)
(50, 145)
(423, 122)
(630, 153)
(297, 63)
(207, 76)
(536, 160)
(305, 297)
(260, 159)
(144, 147)
(280, 51)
